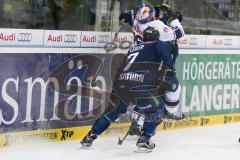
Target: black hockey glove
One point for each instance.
(163, 10)
(127, 17)
(166, 71)
(163, 84)
(178, 15)
(167, 19)
(175, 51)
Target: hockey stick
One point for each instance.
(108, 47)
(186, 118)
(120, 141)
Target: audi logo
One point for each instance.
(24, 37)
(70, 38)
(103, 39)
(228, 42)
(193, 41)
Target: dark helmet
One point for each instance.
(166, 9)
(150, 34)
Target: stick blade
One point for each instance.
(143, 150)
(119, 141)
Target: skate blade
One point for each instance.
(143, 150)
(84, 146)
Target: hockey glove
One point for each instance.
(178, 15)
(163, 10)
(167, 19)
(166, 71)
(127, 17)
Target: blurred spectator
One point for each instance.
(200, 17)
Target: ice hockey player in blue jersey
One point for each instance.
(167, 23)
(146, 72)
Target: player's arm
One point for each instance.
(177, 28)
(127, 17)
(170, 18)
(165, 13)
(174, 19)
(168, 33)
(163, 49)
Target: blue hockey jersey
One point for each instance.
(156, 52)
(143, 65)
(140, 73)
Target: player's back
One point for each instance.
(154, 52)
(147, 57)
(140, 70)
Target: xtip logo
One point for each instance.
(204, 121)
(66, 134)
(227, 119)
(167, 125)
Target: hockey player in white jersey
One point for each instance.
(145, 17)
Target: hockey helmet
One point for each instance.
(150, 34)
(145, 13)
(162, 10)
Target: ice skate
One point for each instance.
(144, 145)
(88, 139)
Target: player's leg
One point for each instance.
(137, 123)
(103, 122)
(171, 100)
(144, 141)
(153, 116)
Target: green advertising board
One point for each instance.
(210, 83)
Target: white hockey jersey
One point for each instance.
(166, 33)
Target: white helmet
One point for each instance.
(145, 13)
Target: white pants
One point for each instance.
(171, 100)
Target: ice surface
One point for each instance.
(203, 143)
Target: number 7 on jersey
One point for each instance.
(131, 59)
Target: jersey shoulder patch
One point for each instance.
(136, 48)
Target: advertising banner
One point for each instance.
(222, 42)
(47, 91)
(91, 39)
(23, 37)
(192, 41)
(34, 86)
(56, 38)
(100, 39)
(210, 83)
(95, 39)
